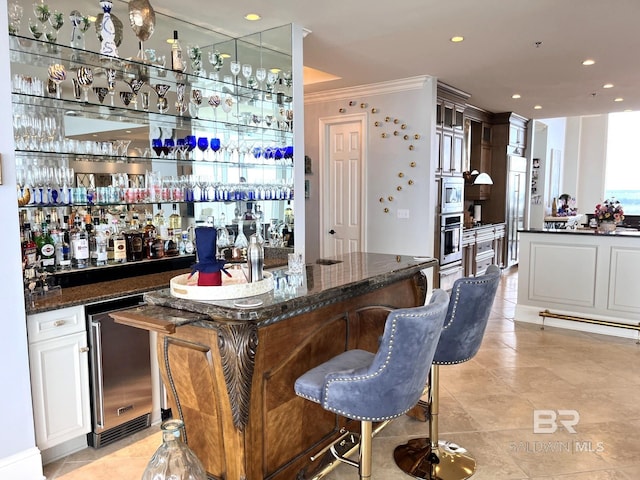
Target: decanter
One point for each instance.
(174, 460)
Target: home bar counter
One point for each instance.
(230, 371)
(586, 280)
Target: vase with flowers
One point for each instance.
(608, 214)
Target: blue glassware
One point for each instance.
(191, 144)
(181, 146)
(278, 154)
(156, 144)
(169, 146)
(288, 152)
(203, 145)
(215, 146)
(257, 152)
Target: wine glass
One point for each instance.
(169, 147)
(195, 55)
(203, 145)
(111, 83)
(85, 80)
(214, 101)
(161, 90)
(35, 28)
(156, 145)
(191, 142)
(181, 105)
(227, 105)
(195, 102)
(57, 74)
(261, 75)
(215, 147)
(216, 60)
(247, 69)
(234, 66)
(272, 78)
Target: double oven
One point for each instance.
(449, 240)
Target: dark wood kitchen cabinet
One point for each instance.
(450, 106)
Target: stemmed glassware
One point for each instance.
(101, 93)
(42, 13)
(215, 147)
(191, 143)
(161, 90)
(216, 60)
(203, 146)
(195, 55)
(195, 102)
(85, 80)
(181, 105)
(261, 75)
(15, 11)
(57, 74)
(214, 101)
(247, 69)
(111, 82)
(57, 21)
(135, 84)
(227, 105)
(234, 66)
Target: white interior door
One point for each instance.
(343, 189)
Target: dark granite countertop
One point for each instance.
(321, 284)
(102, 291)
(620, 232)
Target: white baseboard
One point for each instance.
(25, 465)
(62, 450)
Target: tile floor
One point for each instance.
(487, 406)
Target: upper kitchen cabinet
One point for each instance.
(451, 104)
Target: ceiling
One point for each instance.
(370, 41)
(530, 47)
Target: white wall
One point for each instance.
(19, 458)
(412, 102)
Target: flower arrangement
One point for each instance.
(609, 211)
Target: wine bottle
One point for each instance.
(177, 61)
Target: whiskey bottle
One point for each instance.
(119, 246)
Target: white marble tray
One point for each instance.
(235, 287)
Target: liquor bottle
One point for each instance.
(177, 61)
(63, 250)
(79, 245)
(29, 247)
(175, 224)
(46, 249)
(186, 245)
(97, 245)
(119, 245)
(160, 223)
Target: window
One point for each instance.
(623, 161)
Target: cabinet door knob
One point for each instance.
(84, 349)
(59, 323)
(332, 232)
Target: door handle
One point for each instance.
(332, 232)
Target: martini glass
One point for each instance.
(15, 16)
(161, 90)
(101, 93)
(135, 84)
(57, 21)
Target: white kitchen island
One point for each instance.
(582, 274)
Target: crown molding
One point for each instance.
(382, 88)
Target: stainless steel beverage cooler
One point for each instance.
(120, 366)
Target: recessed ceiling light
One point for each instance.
(457, 39)
(275, 70)
(588, 62)
(225, 55)
(537, 107)
(619, 99)
(252, 17)
(607, 85)
(515, 95)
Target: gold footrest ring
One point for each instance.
(448, 462)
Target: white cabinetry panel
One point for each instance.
(563, 273)
(624, 291)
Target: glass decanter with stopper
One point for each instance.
(174, 460)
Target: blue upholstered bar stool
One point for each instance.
(464, 326)
(370, 387)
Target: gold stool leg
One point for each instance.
(366, 436)
(429, 458)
